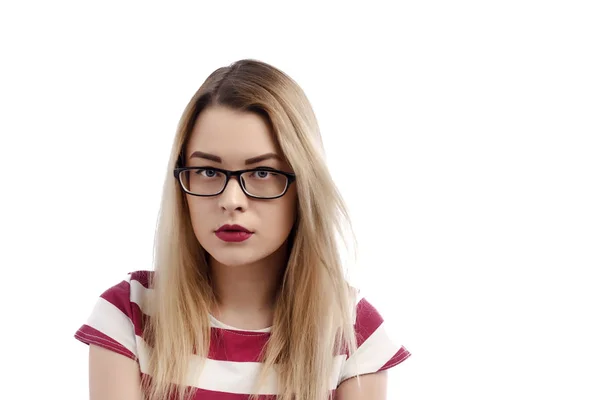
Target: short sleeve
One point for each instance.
(376, 350)
(111, 322)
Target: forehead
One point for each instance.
(233, 135)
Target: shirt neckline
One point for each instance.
(218, 324)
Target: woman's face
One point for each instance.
(226, 139)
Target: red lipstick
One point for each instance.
(233, 233)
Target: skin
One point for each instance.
(113, 376)
(245, 275)
(372, 387)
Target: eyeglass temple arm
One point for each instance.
(179, 163)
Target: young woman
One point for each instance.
(248, 298)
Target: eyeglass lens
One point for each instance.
(210, 182)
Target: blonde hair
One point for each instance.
(315, 306)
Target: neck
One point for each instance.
(245, 294)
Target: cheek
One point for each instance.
(200, 217)
(280, 219)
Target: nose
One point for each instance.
(233, 197)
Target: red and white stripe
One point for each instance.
(232, 367)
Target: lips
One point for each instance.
(233, 233)
(233, 228)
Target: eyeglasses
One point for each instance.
(258, 183)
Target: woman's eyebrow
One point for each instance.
(264, 157)
(253, 160)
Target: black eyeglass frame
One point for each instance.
(228, 174)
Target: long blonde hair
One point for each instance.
(315, 306)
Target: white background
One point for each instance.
(463, 135)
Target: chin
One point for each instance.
(232, 260)
(234, 255)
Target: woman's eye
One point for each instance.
(262, 174)
(209, 173)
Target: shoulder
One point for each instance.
(377, 348)
(367, 321)
(117, 319)
(131, 293)
(367, 318)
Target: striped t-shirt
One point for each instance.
(116, 323)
